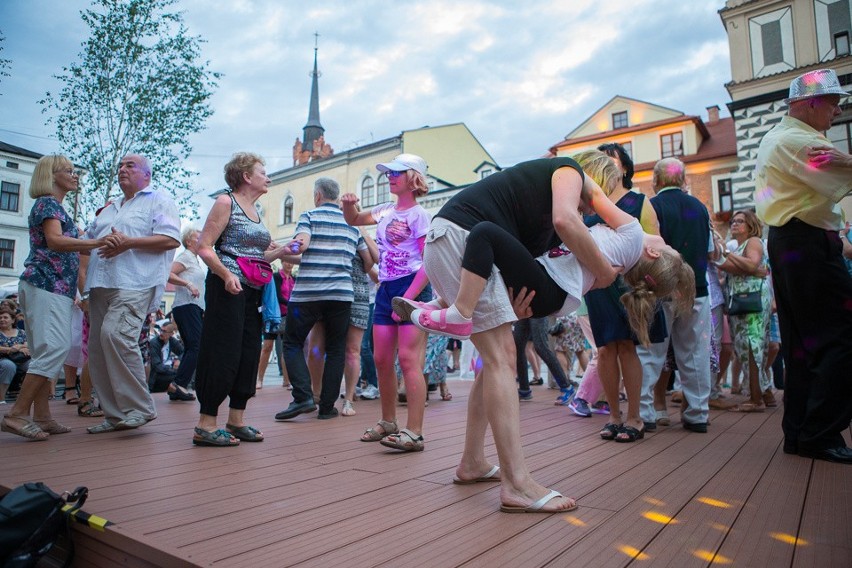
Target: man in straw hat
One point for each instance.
(800, 179)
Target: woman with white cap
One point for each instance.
(401, 236)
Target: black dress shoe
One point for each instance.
(333, 413)
(295, 409)
(180, 394)
(840, 454)
(650, 427)
(700, 427)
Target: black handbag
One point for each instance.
(744, 303)
(32, 519)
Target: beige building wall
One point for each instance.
(451, 151)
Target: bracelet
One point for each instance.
(84, 296)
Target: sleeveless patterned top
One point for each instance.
(242, 237)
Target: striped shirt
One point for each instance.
(325, 272)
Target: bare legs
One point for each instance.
(263, 363)
(493, 400)
(609, 357)
(412, 351)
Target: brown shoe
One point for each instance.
(769, 399)
(677, 396)
(719, 404)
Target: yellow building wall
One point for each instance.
(451, 152)
(638, 112)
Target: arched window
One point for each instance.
(368, 195)
(287, 211)
(383, 195)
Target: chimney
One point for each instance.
(713, 113)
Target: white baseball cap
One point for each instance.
(404, 162)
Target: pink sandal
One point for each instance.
(403, 307)
(422, 319)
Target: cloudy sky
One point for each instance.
(520, 74)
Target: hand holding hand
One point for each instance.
(114, 244)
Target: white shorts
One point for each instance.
(442, 257)
(48, 321)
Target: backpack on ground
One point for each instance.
(31, 521)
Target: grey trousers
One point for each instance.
(690, 337)
(115, 362)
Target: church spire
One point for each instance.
(312, 146)
(313, 130)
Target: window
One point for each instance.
(771, 37)
(12, 165)
(725, 194)
(833, 27)
(7, 253)
(840, 134)
(485, 172)
(384, 189)
(628, 147)
(9, 196)
(619, 120)
(287, 213)
(672, 144)
(368, 194)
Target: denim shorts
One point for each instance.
(387, 291)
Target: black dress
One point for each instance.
(607, 315)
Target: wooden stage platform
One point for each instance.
(312, 495)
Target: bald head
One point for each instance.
(669, 172)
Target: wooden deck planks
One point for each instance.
(312, 495)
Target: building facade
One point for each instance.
(16, 171)
(651, 132)
(454, 156)
(771, 42)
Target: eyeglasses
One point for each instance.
(737, 221)
(69, 171)
(394, 174)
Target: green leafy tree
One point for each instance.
(139, 88)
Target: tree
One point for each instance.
(4, 63)
(139, 88)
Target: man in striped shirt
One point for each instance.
(323, 292)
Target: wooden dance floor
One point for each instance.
(312, 495)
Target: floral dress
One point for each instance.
(750, 332)
(572, 339)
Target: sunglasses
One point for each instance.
(393, 174)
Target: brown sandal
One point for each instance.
(374, 435)
(52, 426)
(30, 430)
(89, 410)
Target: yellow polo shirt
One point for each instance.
(787, 186)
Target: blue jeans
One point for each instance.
(368, 364)
(189, 321)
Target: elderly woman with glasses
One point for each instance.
(46, 293)
(746, 268)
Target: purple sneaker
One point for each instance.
(580, 407)
(600, 408)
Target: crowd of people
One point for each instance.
(667, 298)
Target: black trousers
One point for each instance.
(189, 319)
(301, 317)
(230, 347)
(813, 292)
(535, 330)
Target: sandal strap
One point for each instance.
(388, 427)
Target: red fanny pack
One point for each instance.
(256, 270)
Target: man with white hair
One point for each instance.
(124, 283)
(800, 179)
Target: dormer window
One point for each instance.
(619, 120)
